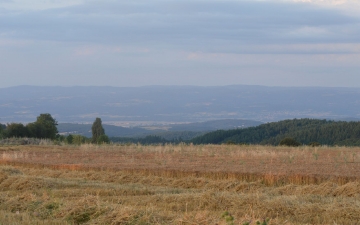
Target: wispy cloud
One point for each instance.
(189, 24)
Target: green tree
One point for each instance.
(16, 130)
(33, 130)
(97, 130)
(43, 127)
(2, 130)
(69, 139)
(60, 137)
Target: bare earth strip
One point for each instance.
(181, 184)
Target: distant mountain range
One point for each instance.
(168, 132)
(162, 105)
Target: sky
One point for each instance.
(180, 42)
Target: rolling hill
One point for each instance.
(305, 131)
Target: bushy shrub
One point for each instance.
(103, 139)
(78, 139)
(289, 142)
(69, 139)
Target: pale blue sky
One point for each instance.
(180, 42)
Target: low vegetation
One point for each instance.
(179, 184)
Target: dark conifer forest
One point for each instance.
(305, 131)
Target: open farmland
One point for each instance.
(181, 184)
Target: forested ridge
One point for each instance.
(305, 131)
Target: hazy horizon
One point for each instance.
(178, 103)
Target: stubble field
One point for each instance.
(179, 184)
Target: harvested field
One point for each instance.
(182, 184)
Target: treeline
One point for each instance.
(43, 128)
(305, 131)
(300, 131)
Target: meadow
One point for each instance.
(179, 184)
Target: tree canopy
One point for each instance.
(43, 127)
(16, 130)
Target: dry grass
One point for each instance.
(179, 185)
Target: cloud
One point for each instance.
(185, 24)
(176, 42)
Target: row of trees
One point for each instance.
(304, 131)
(45, 128)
